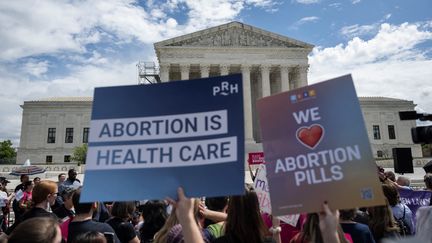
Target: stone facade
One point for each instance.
(38, 139)
(270, 63)
(385, 129)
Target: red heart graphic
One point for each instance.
(310, 136)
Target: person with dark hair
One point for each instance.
(311, 231)
(390, 175)
(244, 222)
(155, 216)
(359, 232)
(61, 178)
(218, 204)
(401, 212)
(18, 190)
(26, 201)
(36, 180)
(36, 230)
(71, 181)
(66, 209)
(82, 222)
(121, 214)
(91, 237)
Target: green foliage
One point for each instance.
(80, 154)
(6, 150)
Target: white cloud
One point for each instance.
(358, 30)
(386, 65)
(355, 1)
(302, 21)
(307, 1)
(36, 68)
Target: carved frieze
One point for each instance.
(234, 37)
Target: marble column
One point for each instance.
(302, 76)
(164, 69)
(184, 71)
(205, 70)
(284, 78)
(265, 80)
(247, 103)
(224, 69)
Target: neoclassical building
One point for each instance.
(270, 63)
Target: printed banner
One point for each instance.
(262, 191)
(317, 149)
(147, 140)
(256, 158)
(415, 199)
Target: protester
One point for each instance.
(404, 182)
(400, 210)
(218, 204)
(121, 214)
(382, 223)
(5, 200)
(82, 222)
(66, 209)
(36, 230)
(25, 202)
(71, 181)
(19, 189)
(61, 178)
(358, 232)
(36, 180)
(154, 215)
(390, 175)
(185, 213)
(244, 222)
(428, 181)
(91, 237)
(311, 231)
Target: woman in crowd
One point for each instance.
(44, 195)
(358, 232)
(244, 222)
(400, 210)
(26, 201)
(311, 231)
(121, 214)
(382, 223)
(155, 216)
(36, 230)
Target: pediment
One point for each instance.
(234, 34)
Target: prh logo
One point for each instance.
(225, 89)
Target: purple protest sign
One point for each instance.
(415, 199)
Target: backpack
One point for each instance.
(404, 229)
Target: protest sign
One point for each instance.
(262, 191)
(147, 140)
(256, 158)
(415, 199)
(317, 149)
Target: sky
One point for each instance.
(56, 48)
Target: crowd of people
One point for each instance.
(47, 211)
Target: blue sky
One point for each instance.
(66, 48)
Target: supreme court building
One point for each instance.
(270, 63)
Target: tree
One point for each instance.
(80, 154)
(6, 150)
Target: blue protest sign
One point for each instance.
(147, 140)
(415, 199)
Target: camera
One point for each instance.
(422, 135)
